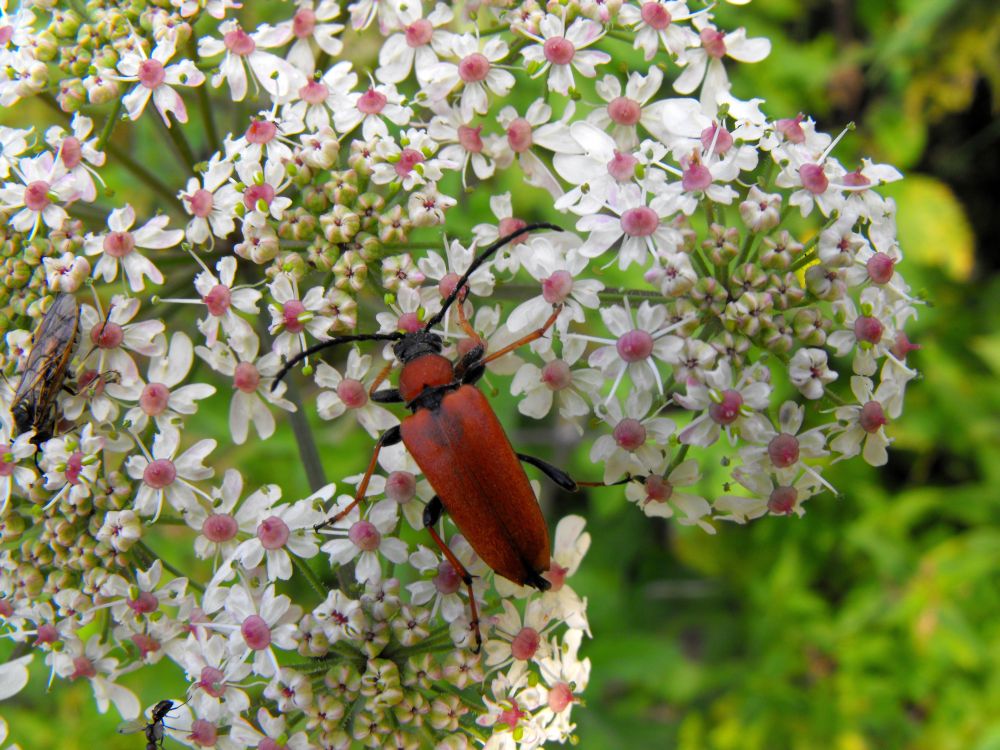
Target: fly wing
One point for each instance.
(49, 346)
(132, 726)
(465, 454)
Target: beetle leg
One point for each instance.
(463, 321)
(628, 478)
(567, 482)
(382, 375)
(386, 396)
(432, 514)
(469, 368)
(389, 437)
(557, 475)
(534, 335)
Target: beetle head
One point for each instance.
(412, 345)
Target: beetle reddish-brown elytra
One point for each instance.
(459, 444)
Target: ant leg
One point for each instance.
(389, 437)
(432, 514)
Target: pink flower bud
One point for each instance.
(525, 644)
(256, 632)
(629, 434)
(558, 50)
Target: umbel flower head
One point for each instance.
(146, 431)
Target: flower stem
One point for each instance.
(433, 642)
(309, 574)
(168, 567)
(620, 36)
(748, 243)
(308, 451)
(207, 118)
(176, 136)
(146, 176)
(804, 260)
(677, 459)
(109, 125)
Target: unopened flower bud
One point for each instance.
(761, 211)
(722, 244)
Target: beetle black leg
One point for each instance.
(474, 373)
(468, 361)
(389, 437)
(387, 396)
(536, 580)
(557, 475)
(567, 482)
(432, 514)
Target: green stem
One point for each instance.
(308, 451)
(804, 260)
(677, 459)
(211, 132)
(709, 213)
(405, 245)
(109, 125)
(20, 649)
(433, 642)
(170, 568)
(617, 295)
(207, 118)
(87, 212)
(748, 244)
(620, 36)
(146, 176)
(310, 575)
(50, 100)
(700, 263)
(176, 136)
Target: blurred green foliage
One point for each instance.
(872, 622)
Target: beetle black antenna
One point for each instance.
(335, 341)
(477, 262)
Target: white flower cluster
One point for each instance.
(759, 269)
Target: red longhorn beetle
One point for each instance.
(460, 446)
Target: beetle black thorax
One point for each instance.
(430, 397)
(413, 345)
